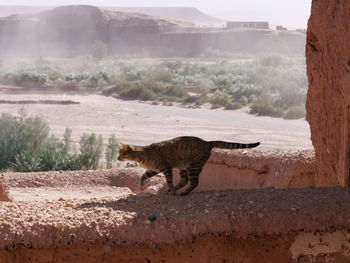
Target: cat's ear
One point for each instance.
(126, 147)
(123, 146)
(131, 148)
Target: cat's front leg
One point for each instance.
(146, 175)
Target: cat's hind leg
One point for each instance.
(169, 180)
(146, 175)
(193, 171)
(183, 180)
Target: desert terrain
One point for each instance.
(239, 213)
(139, 123)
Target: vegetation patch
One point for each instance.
(26, 145)
(273, 85)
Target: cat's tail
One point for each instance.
(232, 145)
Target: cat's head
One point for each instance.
(126, 152)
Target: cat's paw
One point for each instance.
(172, 192)
(184, 193)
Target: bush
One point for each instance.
(233, 106)
(282, 80)
(201, 100)
(25, 78)
(20, 134)
(26, 161)
(161, 75)
(99, 78)
(25, 146)
(296, 112)
(203, 86)
(111, 151)
(52, 160)
(91, 147)
(76, 77)
(190, 99)
(141, 93)
(220, 99)
(265, 109)
(176, 91)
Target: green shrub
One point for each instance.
(76, 77)
(138, 93)
(220, 99)
(20, 134)
(66, 146)
(98, 78)
(233, 106)
(296, 112)
(25, 146)
(201, 100)
(190, 99)
(112, 149)
(280, 79)
(26, 161)
(243, 100)
(52, 160)
(176, 91)
(203, 86)
(161, 75)
(91, 147)
(240, 89)
(265, 109)
(119, 87)
(25, 78)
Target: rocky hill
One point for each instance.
(188, 14)
(73, 30)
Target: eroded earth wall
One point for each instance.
(328, 68)
(263, 225)
(254, 169)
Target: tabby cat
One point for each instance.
(188, 154)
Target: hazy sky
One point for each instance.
(290, 13)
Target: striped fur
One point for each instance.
(188, 154)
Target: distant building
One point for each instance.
(301, 30)
(281, 28)
(249, 24)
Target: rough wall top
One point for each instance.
(162, 219)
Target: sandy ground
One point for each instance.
(59, 193)
(56, 185)
(140, 123)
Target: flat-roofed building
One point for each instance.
(249, 24)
